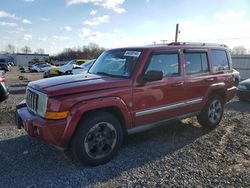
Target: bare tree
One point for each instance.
(10, 48)
(26, 49)
(239, 50)
(91, 51)
(40, 51)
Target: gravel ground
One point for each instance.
(180, 154)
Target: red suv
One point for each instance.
(125, 91)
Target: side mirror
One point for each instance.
(153, 76)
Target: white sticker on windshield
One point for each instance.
(132, 53)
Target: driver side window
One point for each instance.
(168, 63)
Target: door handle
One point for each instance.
(178, 84)
(209, 79)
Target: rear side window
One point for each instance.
(165, 62)
(196, 62)
(219, 60)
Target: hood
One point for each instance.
(70, 84)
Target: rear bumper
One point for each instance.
(50, 131)
(231, 92)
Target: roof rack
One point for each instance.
(195, 44)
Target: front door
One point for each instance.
(159, 100)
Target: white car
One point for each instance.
(40, 67)
(81, 69)
(68, 67)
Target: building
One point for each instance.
(4, 58)
(242, 64)
(23, 59)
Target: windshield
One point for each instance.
(116, 63)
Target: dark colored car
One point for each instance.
(4, 67)
(4, 93)
(243, 90)
(128, 90)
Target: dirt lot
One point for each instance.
(179, 154)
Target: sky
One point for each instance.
(54, 25)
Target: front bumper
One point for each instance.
(50, 131)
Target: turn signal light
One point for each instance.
(56, 115)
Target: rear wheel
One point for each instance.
(98, 138)
(212, 113)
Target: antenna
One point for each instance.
(176, 33)
(164, 41)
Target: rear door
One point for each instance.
(159, 100)
(197, 77)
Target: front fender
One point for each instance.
(81, 108)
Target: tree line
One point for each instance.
(90, 51)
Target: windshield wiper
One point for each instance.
(110, 75)
(104, 73)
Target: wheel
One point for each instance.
(212, 113)
(97, 139)
(68, 72)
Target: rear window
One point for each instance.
(219, 60)
(196, 62)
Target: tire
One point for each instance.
(68, 72)
(212, 113)
(97, 139)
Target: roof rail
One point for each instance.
(195, 44)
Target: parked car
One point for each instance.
(81, 69)
(4, 92)
(2, 73)
(128, 90)
(243, 90)
(236, 76)
(64, 69)
(4, 67)
(40, 67)
(67, 68)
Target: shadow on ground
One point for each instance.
(27, 161)
(241, 106)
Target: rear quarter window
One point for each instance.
(219, 60)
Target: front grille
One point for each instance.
(32, 100)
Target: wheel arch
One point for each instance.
(216, 89)
(113, 105)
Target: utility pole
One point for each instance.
(176, 32)
(164, 41)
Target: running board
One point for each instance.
(146, 127)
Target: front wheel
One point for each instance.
(98, 138)
(212, 113)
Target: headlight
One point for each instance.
(42, 104)
(242, 87)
